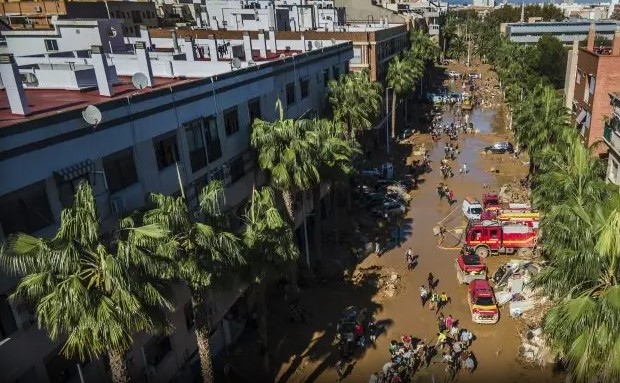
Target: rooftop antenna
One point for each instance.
(92, 116)
(235, 63)
(139, 80)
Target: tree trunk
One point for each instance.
(118, 367)
(316, 235)
(202, 336)
(334, 209)
(394, 114)
(532, 167)
(289, 204)
(263, 335)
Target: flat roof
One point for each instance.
(43, 102)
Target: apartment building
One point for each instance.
(611, 137)
(195, 112)
(43, 14)
(374, 44)
(566, 31)
(592, 76)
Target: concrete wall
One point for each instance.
(31, 152)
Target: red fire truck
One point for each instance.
(494, 237)
(491, 201)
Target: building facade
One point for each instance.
(595, 77)
(611, 137)
(193, 118)
(566, 31)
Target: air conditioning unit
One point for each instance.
(117, 206)
(37, 8)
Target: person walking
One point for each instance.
(434, 301)
(423, 295)
(470, 364)
(341, 369)
(431, 281)
(464, 168)
(449, 322)
(378, 248)
(443, 300)
(374, 378)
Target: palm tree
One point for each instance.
(402, 75)
(355, 100)
(457, 48)
(96, 294)
(204, 253)
(423, 47)
(271, 247)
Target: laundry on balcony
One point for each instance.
(581, 116)
(75, 171)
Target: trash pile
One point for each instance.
(387, 281)
(512, 193)
(513, 291)
(489, 95)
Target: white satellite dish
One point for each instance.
(251, 63)
(318, 45)
(92, 115)
(139, 80)
(333, 41)
(282, 55)
(236, 63)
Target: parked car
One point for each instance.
(453, 74)
(500, 148)
(390, 207)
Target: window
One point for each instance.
(494, 234)
(7, 319)
(120, 170)
(304, 87)
(325, 77)
(166, 150)
(51, 45)
(290, 94)
(67, 189)
(254, 110)
(357, 55)
(248, 17)
(592, 84)
(231, 121)
(25, 210)
(212, 137)
(236, 169)
(336, 72)
(189, 316)
(156, 349)
(196, 146)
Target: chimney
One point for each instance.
(101, 70)
(303, 43)
(146, 36)
(13, 85)
(262, 43)
(591, 37)
(190, 49)
(212, 44)
(273, 44)
(144, 62)
(175, 41)
(247, 46)
(615, 43)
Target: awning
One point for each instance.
(75, 171)
(581, 116)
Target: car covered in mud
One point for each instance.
(469, 267)
(482, 304)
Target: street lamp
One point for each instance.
(387, 121)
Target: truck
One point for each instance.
(531, 219)
(469, 267)
(482, 304)
(494, 237)
(467, 101)
(472, 208)
(491, 201)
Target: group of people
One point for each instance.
(443, 191)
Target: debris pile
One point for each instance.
(534, 348)
(387, 281)
(489, 94)
(514, 193)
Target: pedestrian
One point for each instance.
(451, 194)
(372, 331)
(374, 378)
(449, 322)
(409, 253)
(441, 324)
(466, 338)
(469, 362)
(431, 281)
(434, 301)
(464, 168)
(341, 369)
(454, 332)
(456, 347)
(443, 300)
(410, 262)
(423, 295)
(393, 347)
(441, 338)
(377, 249)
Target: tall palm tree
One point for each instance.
(96, 294)
(355, 100)
(271, 247)
(204, 253)
(457, 48)
(402, 75)
(423, 47)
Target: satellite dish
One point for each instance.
(92, 115)
(333, 41)
(251, 63)
(139, 80)
(282, 55)
(236, 63)
(318, 45)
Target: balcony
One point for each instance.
(611, 135)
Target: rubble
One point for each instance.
(387, 281)
(534, 348)
(514, 193)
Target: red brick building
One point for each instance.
(596, 76)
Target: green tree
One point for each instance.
(355, 100)
(552, 56)
(204, 253)
(96, 294)
(457, 48)
(423, 47)
(271, 247)
(402, 75)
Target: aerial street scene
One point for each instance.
(309, 191)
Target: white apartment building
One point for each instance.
(192, 109)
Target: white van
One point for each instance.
(472, 209)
